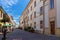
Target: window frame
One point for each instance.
(34, 24)
(31, 16)
(41, 10)
(41, 24)
(51, 4)
(34, 3)
(31, 8)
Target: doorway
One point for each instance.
(52, 25)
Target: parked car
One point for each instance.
(30, 29)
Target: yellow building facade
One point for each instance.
(1, 15)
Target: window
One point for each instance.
(31, 17)
(31, 7)
(35, 14)
(22, 22)
(1, 14)
(41, 10)
(28, 18)
(51, 4)
(31, 25)
(35, 4)
(41, 24)
(28, 11)
(28, 24)
(34, 24)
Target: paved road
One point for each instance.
(22, 35)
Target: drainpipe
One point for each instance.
(43, 16)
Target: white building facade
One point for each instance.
(43, 16)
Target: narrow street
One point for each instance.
(39, 16)
(23, 35)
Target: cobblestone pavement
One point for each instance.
(23, 35)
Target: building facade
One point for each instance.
(54, 17)
(10, 22)
(52, 20)
(4, 17)
(21, 22)
(32, 16)
(43, 16)
(1, 16)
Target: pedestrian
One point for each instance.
(4, 33)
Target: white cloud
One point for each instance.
(16, 21)
(8, 3)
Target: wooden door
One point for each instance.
(52, 25)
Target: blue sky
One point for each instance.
(14, 7)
